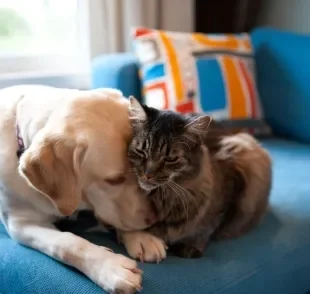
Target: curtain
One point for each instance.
(111, 20)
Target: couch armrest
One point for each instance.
(118, 71)
(283, 76)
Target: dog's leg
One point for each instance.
(112, 272)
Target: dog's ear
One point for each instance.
(52, 166)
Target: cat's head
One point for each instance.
(166, 146)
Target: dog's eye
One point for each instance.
(172, 160)
(117, 180)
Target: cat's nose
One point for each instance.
(149, 171)
(149, 176)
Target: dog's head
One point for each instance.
(82, 151)
(53, 167)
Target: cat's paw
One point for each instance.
(186, 251)
(144, 246)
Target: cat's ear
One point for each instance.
(136, 111)
(199, 126)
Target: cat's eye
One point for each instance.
(136, 156)
(171, 160)
(139, 152)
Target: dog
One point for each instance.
(63, 150)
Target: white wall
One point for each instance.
(292, 15)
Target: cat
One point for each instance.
(202, 183)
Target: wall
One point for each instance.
(292, 15)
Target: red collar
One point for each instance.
(20, 141)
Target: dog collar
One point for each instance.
(20, 141)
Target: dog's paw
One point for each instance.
(117, 274)
(144, 246)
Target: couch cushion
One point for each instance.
(283, 75)
(274, 258)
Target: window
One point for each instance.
(41, 37)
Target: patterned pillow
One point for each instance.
(197, 73)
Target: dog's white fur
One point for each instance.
(76, 146)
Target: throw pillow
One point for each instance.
(198, 73)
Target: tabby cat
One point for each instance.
(202, 185)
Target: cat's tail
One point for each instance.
(254, 164)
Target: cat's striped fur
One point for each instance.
(202, 183)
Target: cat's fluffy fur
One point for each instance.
(202, 184)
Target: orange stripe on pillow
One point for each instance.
(174, 66)
(229, 43)
(234, 90)
(247, 44)
(250, 84)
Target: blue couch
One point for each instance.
(273, 258)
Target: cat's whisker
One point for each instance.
(179, 197)
(183, 191)
(188, 196)
(161, 192)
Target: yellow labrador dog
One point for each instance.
(62, 150)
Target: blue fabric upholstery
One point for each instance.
(283, 74)
(274, 258)
(118, 71)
